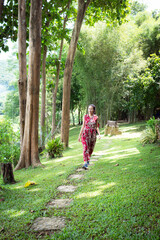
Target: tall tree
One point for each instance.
(43, 102)
(47, 16)
(82, 7)
(29, 153)
(115, 10)
(22, 64)
(53, 21)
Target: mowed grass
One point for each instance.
(111, 202)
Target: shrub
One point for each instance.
(55, 148)
(152, 132)
(9, 146)
(151, 123)
(149, 136)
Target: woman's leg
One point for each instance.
(85, 153)
(91, 146)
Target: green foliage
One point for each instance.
(9, 146)
(137, 7)
(150, 135)
(112, 12)
(141, 91)
(8, 23)
(55, 148)
(149, 37)
(11, 108)
(110, 56)
(77, 92)
(8, 76)
(151, 123)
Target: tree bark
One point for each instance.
(7, 173)
(82, 7)
(22, 83)
(43, 103)
(1, 7)
(29, 154)
(55, 92)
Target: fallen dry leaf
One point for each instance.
(2, 229)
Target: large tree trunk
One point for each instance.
(1, 7)
(29, 154)
(82, 7)
(22, 83)
(43, 103)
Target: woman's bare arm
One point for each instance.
(97, 128)
(80, 134)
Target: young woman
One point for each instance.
(88, 134)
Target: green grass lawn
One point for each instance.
(111, 202)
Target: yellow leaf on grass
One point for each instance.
(28, 183)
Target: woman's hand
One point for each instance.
(99, 136)
(79, 139)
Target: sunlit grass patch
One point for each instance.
(111, 202)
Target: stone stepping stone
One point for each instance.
(76, 176)
(60, 203)
(46, 223)
(67, 188)
(80, 170)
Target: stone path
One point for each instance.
(46, 224)
(80, 170)
(60, 203)
(57, 223)
(76, 176)
(67, 188)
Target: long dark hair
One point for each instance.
(94, 108)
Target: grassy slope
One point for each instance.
(110, 203)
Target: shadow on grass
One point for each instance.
(119, 202)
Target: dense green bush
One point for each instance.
(149, 136)
(152, 132)
(55, 148)
(9, 145)
(151, 123)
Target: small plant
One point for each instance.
(55, 148)
(149, 136)
(151, 123)
(152, 132)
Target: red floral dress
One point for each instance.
(89, 136)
